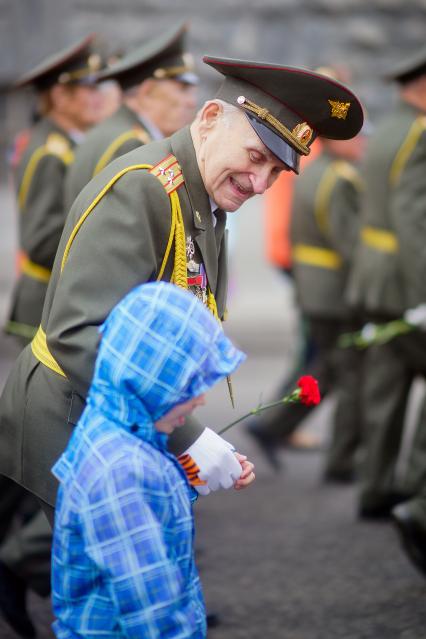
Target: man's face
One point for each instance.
(176, 416)
(83, 106)
(234, 163)
(172, 105)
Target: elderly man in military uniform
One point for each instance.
(158, 89)
(386, 279)
(158, 213)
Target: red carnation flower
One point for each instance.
(309, 390)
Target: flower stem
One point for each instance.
(289, 399)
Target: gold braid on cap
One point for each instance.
(299, 137)
(171, 72)
(94, 63)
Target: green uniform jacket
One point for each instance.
(408, 216)
(120, 133)
(40, 181)
(376, 281)
(324, 229)
(120, 245)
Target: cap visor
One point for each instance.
(275, 144)
(188, 78)
(88, 80)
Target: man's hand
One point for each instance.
(211, 463)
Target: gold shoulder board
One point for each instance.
(58, 145)
(169, 173)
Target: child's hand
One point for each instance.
(247, 476)
(211, 463)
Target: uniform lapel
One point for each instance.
(202, 218)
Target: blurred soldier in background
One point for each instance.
(278, 249)
(68, 104)
(158, 89)
(324, 228)
(386, 279)
(408, 217)
(325, 225)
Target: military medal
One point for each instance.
(196, 273)
(196, 278)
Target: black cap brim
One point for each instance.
(275, 144)
(47, 72)
(410, 66)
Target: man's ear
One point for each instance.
(209, 115)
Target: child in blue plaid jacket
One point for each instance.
(123, 562)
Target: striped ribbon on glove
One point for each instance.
(191, 470)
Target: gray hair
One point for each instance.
(228, 111)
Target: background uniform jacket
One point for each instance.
(120, 244)
(120, 133)
(408, 216)
(376, 282)
(40, 185)
(324, 229)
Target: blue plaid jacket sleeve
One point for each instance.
(125, 521)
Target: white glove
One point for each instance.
(217, 464)
(416, 316)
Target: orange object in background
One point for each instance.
(19, 260)
(278, 203)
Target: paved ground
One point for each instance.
(286, 559)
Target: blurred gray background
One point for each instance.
(286, 559)
(366, 35)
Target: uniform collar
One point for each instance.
(137, 120)
(128, 113)
(153, 130)
(50, 126)
(183, 148)
(77, 136)
(214, 207)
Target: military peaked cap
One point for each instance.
(288, 106)
(76, 64)
(163, 58)
(408, 68)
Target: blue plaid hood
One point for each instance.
(160, 346)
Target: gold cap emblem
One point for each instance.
(94, 62)
(160, 74)
(339, 109)
(64, 77)
(303, 133)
